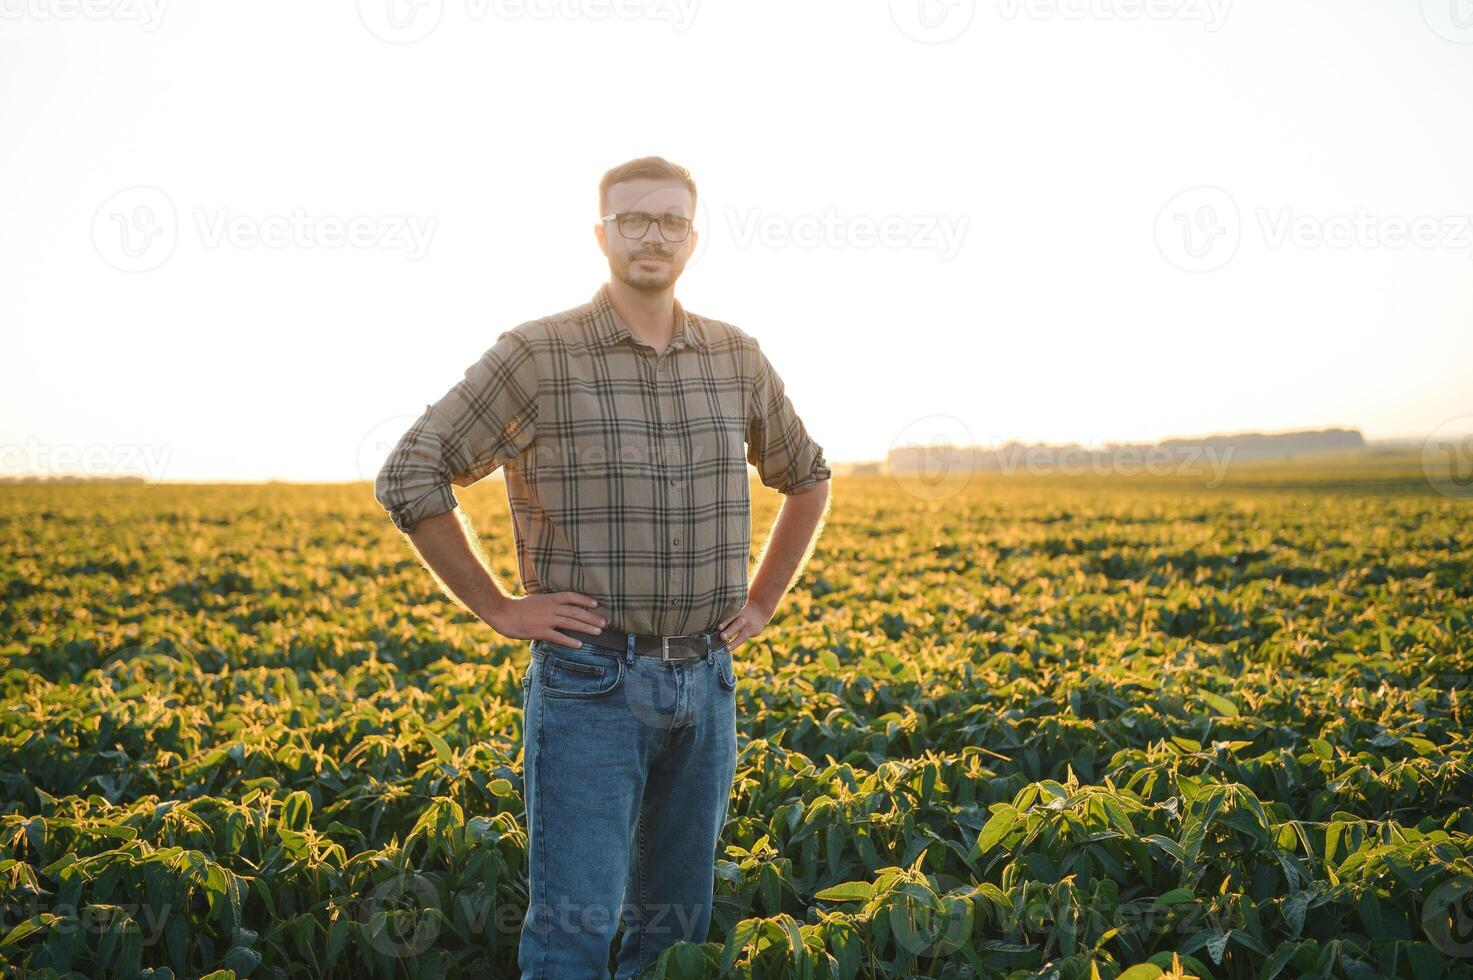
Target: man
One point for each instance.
(625, 426)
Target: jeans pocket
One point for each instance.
(726, 670)
(568, 673)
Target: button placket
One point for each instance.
(667, 431)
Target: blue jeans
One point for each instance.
(628, 763)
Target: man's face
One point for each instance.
(649, 263)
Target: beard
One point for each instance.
(647, 278)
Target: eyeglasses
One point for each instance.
(634, 224)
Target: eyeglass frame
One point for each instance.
(654, 219)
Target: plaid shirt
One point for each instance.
(625, 470)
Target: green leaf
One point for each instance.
(1278, 961)
(1248, 940)
(847, 947)
(769, 879)
(1219, 703)
(117, 831)
(1141, 971)
(1177, 896)
(995, 830)
(1426, 961)
(849, 891)
(795, 941)
(241, 960)
(1422, 746)
(1294, 909)
(441, 747)
(687, 959)
(1169, 846)
(337, 937)
(736, 941)
(296, 812)
(36, 837)
(32, 925)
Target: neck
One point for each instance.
(650, 316)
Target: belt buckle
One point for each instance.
(665, 647)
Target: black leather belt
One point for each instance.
(687, 646)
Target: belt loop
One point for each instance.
(710, 653)
(629, 649)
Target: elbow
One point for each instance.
(390, 496)
(410, 501)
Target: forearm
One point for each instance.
(444, 543)
(789, 546)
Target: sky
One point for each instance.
(248, 241)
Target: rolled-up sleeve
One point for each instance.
(487, 419)
(786, 456)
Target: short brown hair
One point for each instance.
(644, 168)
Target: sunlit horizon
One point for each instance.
(252, 244)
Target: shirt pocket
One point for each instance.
(718, 429)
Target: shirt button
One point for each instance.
(675, 541)
(675, 483)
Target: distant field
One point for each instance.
(1044, 726)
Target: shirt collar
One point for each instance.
(611, 328)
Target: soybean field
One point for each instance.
(1080, 727)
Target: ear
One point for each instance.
(598, 236)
